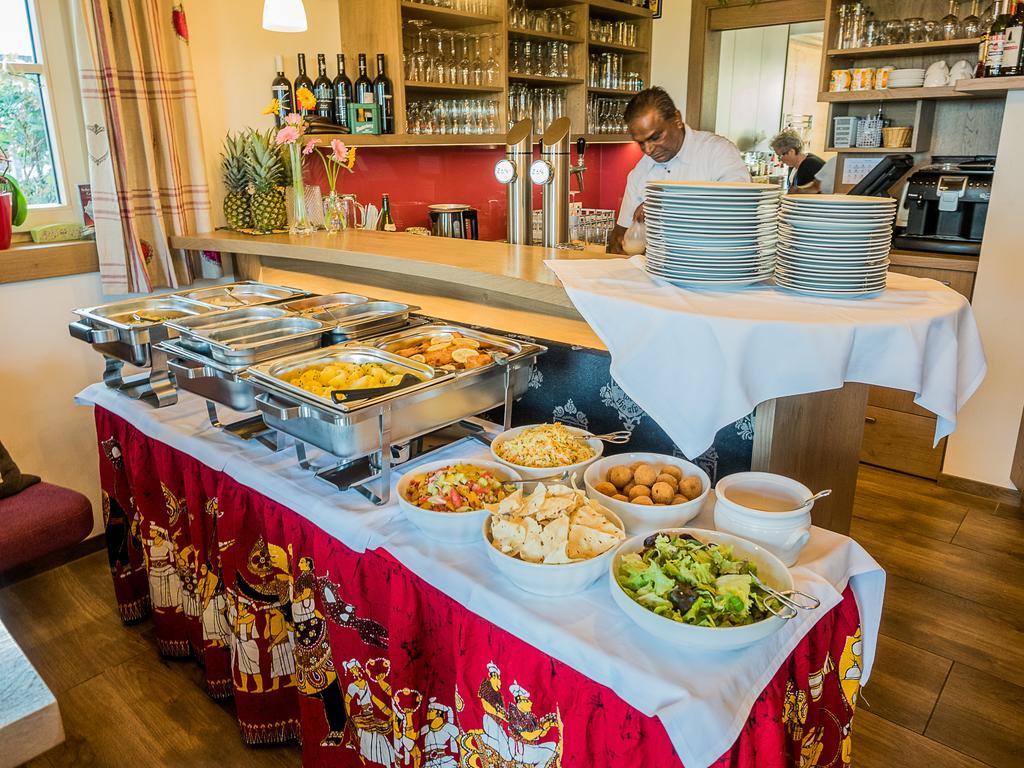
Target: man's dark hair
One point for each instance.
(652, 98)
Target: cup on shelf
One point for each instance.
(862, 79)
(840, 81)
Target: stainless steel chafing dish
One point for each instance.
(125, 332)
(249, 343)
(361, 321)
(243, 294)
(315, 304)
(372, 427)
(192, 330)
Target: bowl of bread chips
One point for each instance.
(554, 541)
(649, 491)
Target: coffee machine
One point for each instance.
(947, 204)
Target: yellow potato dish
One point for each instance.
(323, 379)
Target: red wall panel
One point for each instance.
(416, 177)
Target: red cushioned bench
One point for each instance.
(41, 520)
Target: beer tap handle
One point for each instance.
(578, 169)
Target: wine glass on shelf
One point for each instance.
(949, 25)
(418, 62)
(477, 65)
(436, 72)
(971, 26)
(492, 69)
(451, 61)
(465, 65)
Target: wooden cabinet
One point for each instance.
(380, 26)
(898, 433)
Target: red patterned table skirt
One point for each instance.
(367, 664)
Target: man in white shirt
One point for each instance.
(671, 151)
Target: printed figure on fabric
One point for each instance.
(261, 604)
(827, 742)
(316, 674)
(213, 597)
(371, 719)
(121, 537)
(512, 736)
(164, 584)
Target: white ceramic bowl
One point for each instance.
(530, 473)
(769, 570)
(550, 579)
(638, 517)
(452, 527)
(784, 534)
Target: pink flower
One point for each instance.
(339, 151)
(310, 146)
(293, 118)
(287, 135)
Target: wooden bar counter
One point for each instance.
(814, 438)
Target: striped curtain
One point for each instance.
(144, 142)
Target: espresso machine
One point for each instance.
(947, 204)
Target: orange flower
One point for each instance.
(272, 107)
(305, 98)
(350, 165)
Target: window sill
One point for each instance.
(36, 261)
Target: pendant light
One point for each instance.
(284, 16)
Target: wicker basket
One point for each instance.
(897, 137)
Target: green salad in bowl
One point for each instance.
(701, 583)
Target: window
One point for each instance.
(40, 109)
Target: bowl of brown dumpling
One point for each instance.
(648, 491)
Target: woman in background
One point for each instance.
(789, 148)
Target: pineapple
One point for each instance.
(266, 174)
(236, 181)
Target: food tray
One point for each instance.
(505, 350)
(243, 294)
(358, 321)
(192, 331)
(263, 340)
(315, 304)
(353, 430)
(208, 378)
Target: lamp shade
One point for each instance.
(284, 16)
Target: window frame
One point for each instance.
(58, 72)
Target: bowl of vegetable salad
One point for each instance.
(445, 499)
(693, 587)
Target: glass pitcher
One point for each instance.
(355, 214)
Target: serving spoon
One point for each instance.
(815, 497)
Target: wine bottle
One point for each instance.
(323, 90)
(997, 40)
(385, 221)
(1013, 49)
(363, 88)
(383, 94)
(302, 81)
(342, 94)
(281, 88)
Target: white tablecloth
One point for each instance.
(702, 698)
(697, 360)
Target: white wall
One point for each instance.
(233, 62)
(982, 446)
(671, 50)
(751, 81)
(41, 369)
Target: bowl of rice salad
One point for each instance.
(540, 450)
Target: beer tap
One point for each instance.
(580, 168)
(513, 171)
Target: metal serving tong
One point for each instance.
(617, 438)
(562, 477)
(791, 601)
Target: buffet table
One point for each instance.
(331, 621)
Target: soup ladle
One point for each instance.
(815, 497)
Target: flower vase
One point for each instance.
(334, 213)
(300, 218)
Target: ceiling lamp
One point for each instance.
(284, 16)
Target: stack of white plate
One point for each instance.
(834, 245)
(711, 233)
(906, 78)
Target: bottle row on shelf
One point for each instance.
(450, 57)
(336, 101)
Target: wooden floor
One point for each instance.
(947, 689)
